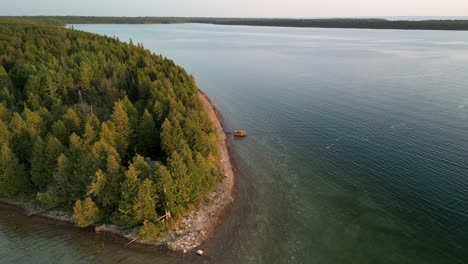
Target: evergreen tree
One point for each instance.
(172, 136)
(133, 121)
(91, 128)
(39, 167)
(110, 195)
(84, 77)
(97, 185)
(166, 188)
(85, 213)
(20, 141)
(4, 113)
(125, 214)
(13, 179)
(60, 131)
(142, 166)
(121, 127)
(44, 161)
(145, 202)
(148, 136)
(72, 121)
(4, 133)
(181, 189)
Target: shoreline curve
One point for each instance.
(194, 229)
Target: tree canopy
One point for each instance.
(83, 117)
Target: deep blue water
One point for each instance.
(358, 140)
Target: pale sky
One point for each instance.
(236, 8)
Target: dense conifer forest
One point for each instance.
(84, 120)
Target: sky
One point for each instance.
(236, 8)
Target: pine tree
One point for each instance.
(85, 213)
(13, 179)
(4, 79)
(5, 114)
(172, 136)
(125, 214)
(60, 131)
(44, 161)
(35, 124)
(97, 185)
(166, 189)
(133, 115)
(83, 164)
(60, 193)
(6, 97)
(110, 195)
(39, 166)
(92, 125)
(141, 166)
(20, 140)
(181, 189)
(72, 121)
(4, 133)
(85, 77)
(148, 136)
(53, 150)
(121, 127)
(145, 202)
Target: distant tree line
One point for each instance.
(274, 22)
(79, 115)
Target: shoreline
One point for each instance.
(444, 23)
(194, 229)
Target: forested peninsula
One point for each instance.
(104, 129)
(369, 23)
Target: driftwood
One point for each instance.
(167, 215)
(41, 210)
(133, 240)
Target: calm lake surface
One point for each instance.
(357, 149)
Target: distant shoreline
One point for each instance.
(357, 23)
(194, 229)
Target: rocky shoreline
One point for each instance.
(195, 228)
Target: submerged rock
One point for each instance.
(199, 252)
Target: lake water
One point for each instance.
(357, 149)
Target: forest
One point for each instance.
(369, 23)
(102, 128)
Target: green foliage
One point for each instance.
(4, 133)
(79, 115)
(44, 161)
(48, 198)
(72, 121)
(85, 213)
(145, 202)
(98, 183)
(151, 230)
(125, 214)
(13, 179)
(148, 135)
(60, 131)
(121, 127)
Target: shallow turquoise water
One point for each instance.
(357, 146)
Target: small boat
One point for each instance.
(240, 133)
